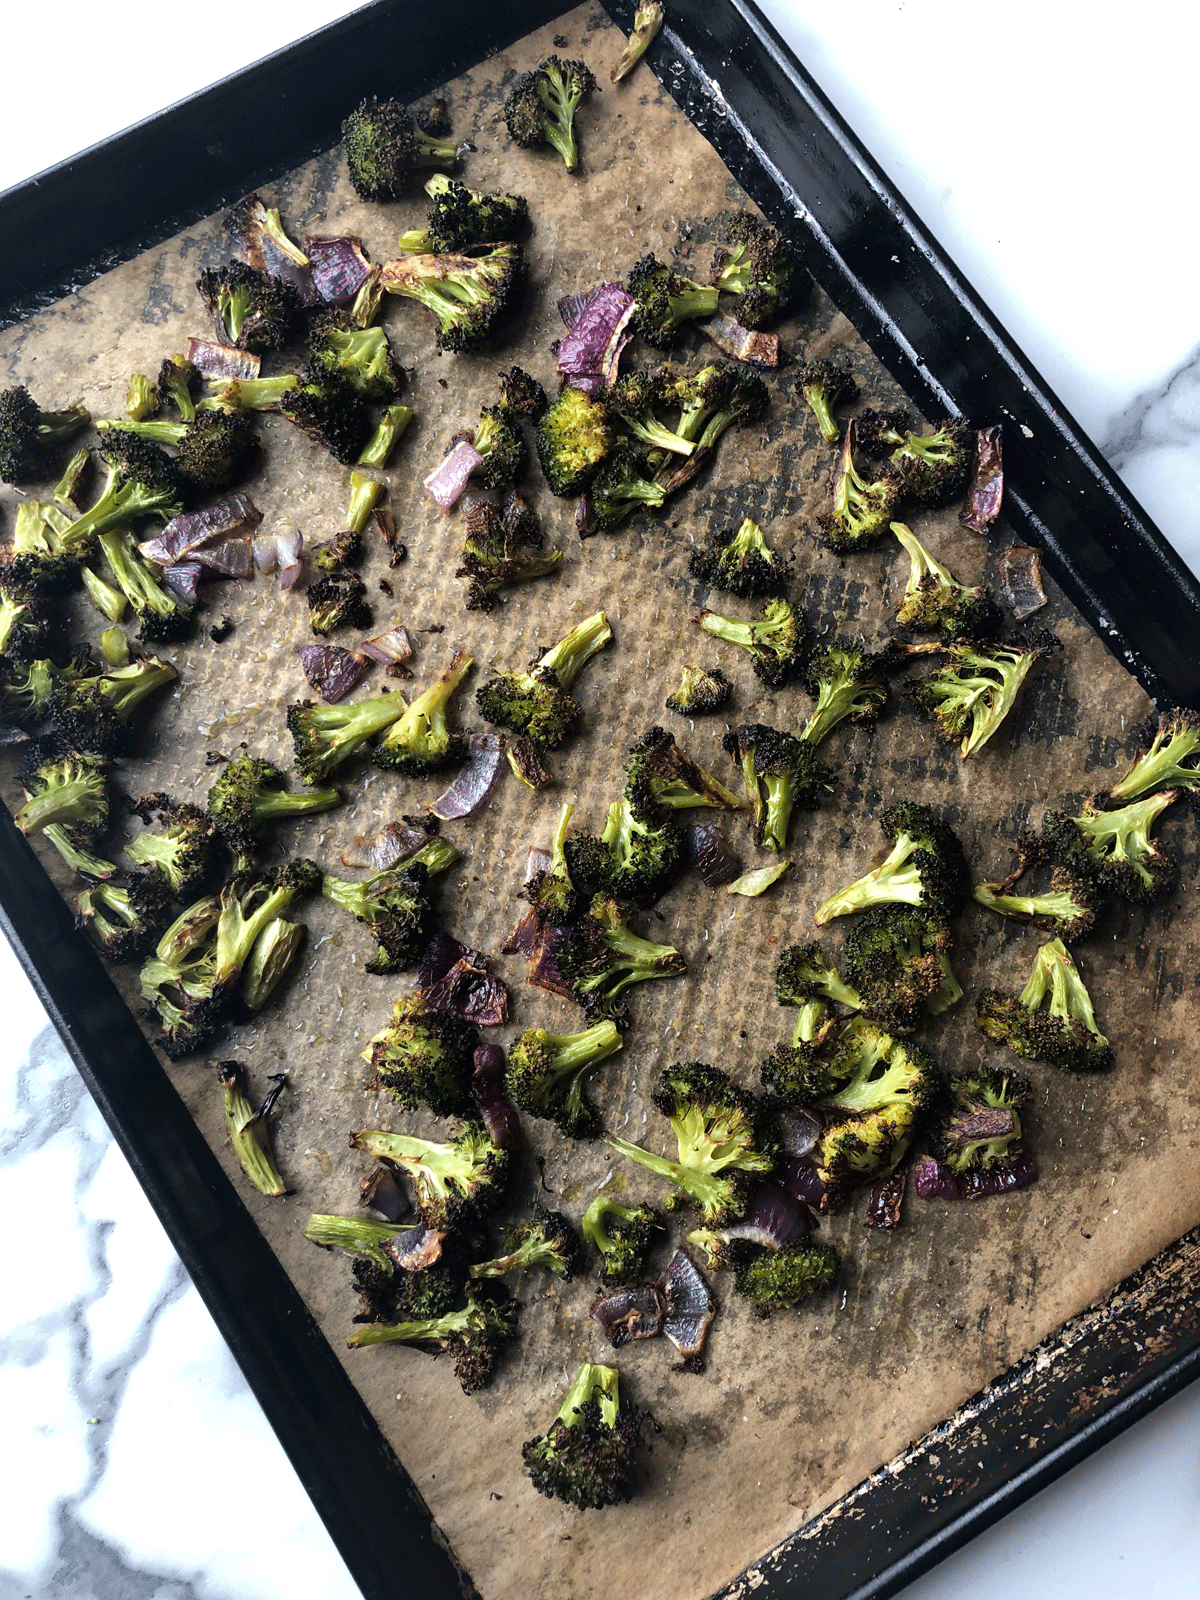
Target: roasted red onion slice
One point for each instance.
(449, 478)
(886, 1198)
(935, 1182)
(773, 1217)
(690, 1309)
(390, 646)
(523, 938)
(185, 535)
(471, 992)
(743, 344)
(183, 580)
(382, 1192)
(709, 854)
(1021, 578)
(986, 488)
(473, 782)
(332, 671)
(339, 268)
(394, 843)
(219, 361)
(525, 760)
(415, 1248)
(634, 1313)
(590, 351)
(497, 1110)
(543, 968)
(232, 558)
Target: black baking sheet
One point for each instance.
(801, 166)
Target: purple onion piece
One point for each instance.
(543, 968)
(634, 1313)
(473, 782)
(449, 478)
(585, 517)
(232, 558)
(523, 938)
(526, 761)
(592, 385)
(709, 855)
(1021, 578)
(572, 306)
(382, 1192)
(13, 736)
(986, 488)
(394, 843)
(799, 1129)
(589, 348)
(774, 1217)
(183, 580)
(936, 1182)
(190, 532)
(442, 952)
(277, 264)
(339, 267)
(415, 1248)
(332, 671)
(221, 361)
(886, 1198)
(497, 1110)
(801, 1180)
(395, 644)
(471, 992)
(743, 344)
(690, 1309)
(537, 859)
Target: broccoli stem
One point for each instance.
(818, 399)
(596, 1383)
(570, 655)
(107, 599)
(253, 394)
(81, 861)
(247, 1132)
(365, 494)
(424, 720)
(1070, 1002)
(357, 1236)
(710, 1190)
(379, 446)
(893, 879)
(159, 432)
(274, 951)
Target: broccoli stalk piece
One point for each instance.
(701, 692)
(420, 741)
(1168, 762)
(935, 601)
(780, 772)
(661, 778)
(548, 1241)
(775, 639)
(898, 958)
(846, 681)
(647, 20)
(666, 300)
(538, 703)
(574, 435)
(547, 1073)
(251, 792)
(475, 1336)
(383, 144)
(76, 855)
(247, 1128)
(1051, 1019)
(28, 435)
(601, 957)
(743, 565)
(934, 469)
(247, 909)
(357, 1236)
(276, 947)
(623, 1236)
(253, 394)
(1068, 908)
(823, 385)
(632, 399)
(250, 309)
(757, 266)
(324, 737)
(861, 511)
(551, 892)
(162, 617)
(1114, 848)
(542, 105)
(395, 905)
(424, 1058)
(379, 446)
(589, 1454)
(215, 447)
(619, 488)
(70, 792)
(461, 218)
(925, 867)
(716, 1128)
(778, 1279)
(469, 295)
(973, 693)
(456, 1183)
(125, 923)
(980, 1127)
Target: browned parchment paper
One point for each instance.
(793, 1411)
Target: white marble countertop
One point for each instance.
(114, 1384)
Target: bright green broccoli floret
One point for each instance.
(542, 104)
(383, 144)
(665, 300)
(632, 399)
(184, 852)
(935, 601)
(973, 693)
(251, 792)
(420, 741)
(1114, 848)
(538, 703)
(1067, 909)
(140, 480)
(547, 1073)
(1169, 761)
(573, 437)
(925, 867)
(623, 1236)
(589, 1455)
(69, 791)
(601, 957)
(636, 856)
(93, 710)
(548, 1241)
(1051, 1019)
(425, 1058)
(780, 772)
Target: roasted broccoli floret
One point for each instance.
(623, 1236)
(29, 435)
(775, 639)
(330, 411)
(1114, 848)
(163, 618)
(1067, 909)
(176, 378)
(140, 480)
(326, 736)
(1051, 1019)
(934, 468)
(125, 922)
(573, 437)
(823, 385)
(973, 693)
(93, 710)
(647, 20)
(25, 692)
(24, 627)
(632, 399)
(898, 959)
(250, 793)
(475, 1337)
(184, 851)
(661, 778)
(589, 1455)
(847, 681)
(716, 1125)
(620, 487)
(538, 703)
(666, 300)
(420, 741)
(1168, 761)
(757, 266)
(635, 857)
(383, 144)
(780, 772)
(601, 957)
(361, 357)
(934, 601)
(65, 790)
(548, 1241)
(542, 104)
(979, 1128)
(547, 1074)
(500, 442)
(469, 295)
(802, 975)
(711, 400)
(461, 218)
(458, 1184)
(502, 547)
(551, 892)
(41, 559)
(776, 1280)
(423, 1058)
(744, 564)
(215, 447)
(925, 867)
(337, 601)
(701, 692)
(521, 395)
(250, 309)
(397, 908)
(861, 511)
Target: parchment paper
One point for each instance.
(795, 1410)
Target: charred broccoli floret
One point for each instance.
(215, 447)
(620, 487)
(125, 922)
(250, 309)
(898, 959)
(521, 395)
(424, 1058)
(251, 792)
(469, 295)
(861, 511)
(1169, 760)
(701, 692)
(979, 1128)
(500, 442)
(823, 385)
(925, 867)
(716, 1125)
(934, 468)
(780, 772)
(461, 218)
(184, 851)
(1067, 909)
(547, 1074)
(972, 694)
(623, 1236)
(775, 639)
(68, 791)
(29, 435)
(548, 1241)
(337, 601)
(756, 265)
(361, 357)
(502, 547)
(802, 975)
(1051, 1019)
(589, 1455)
(574, 436)
(397, 908)
(325, 736)
(538, 703)
(666, 300)
(458, 1184)
(661, 778)
(475, 1337)
(934, 601)
(93, 710)
(743, 565)
(847, 681)
(551, 892)
(601, 957)
(383, 144)
(542, 104)
(635, 857)
(632, 399)
(420, 741)
(712, 399)
(140, 480)
(42, 558)
(776, 1280)
(1114, 848)
(330, 411)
